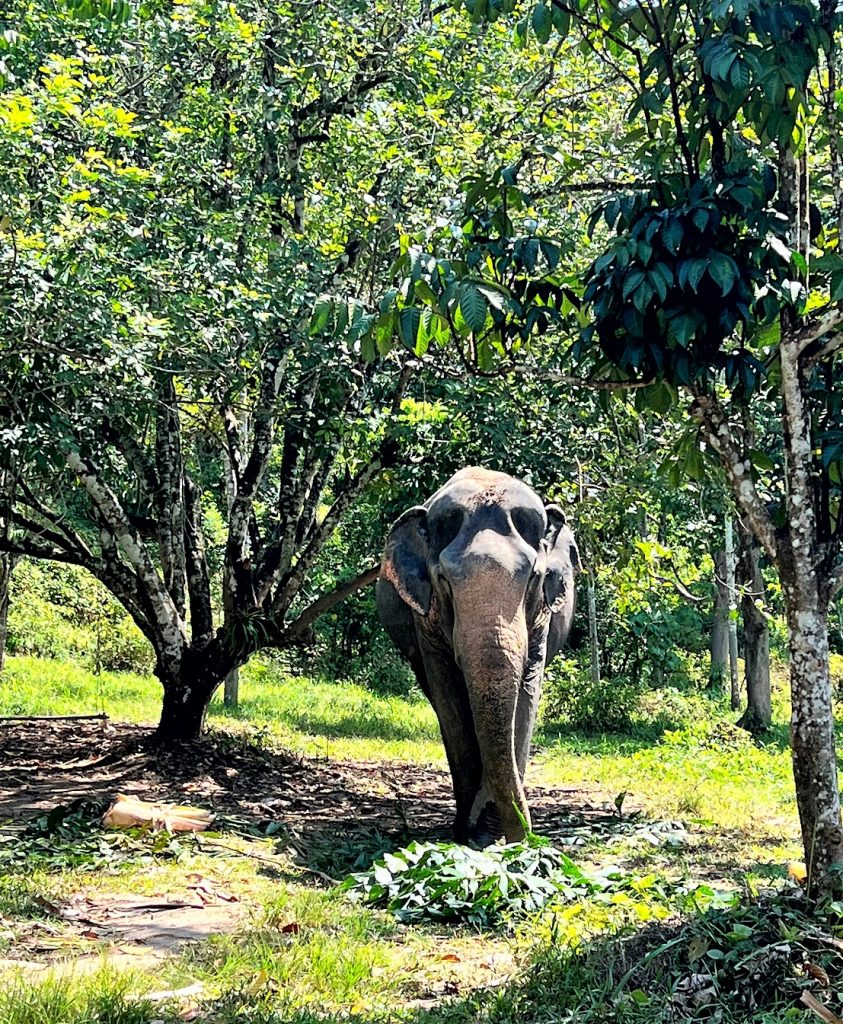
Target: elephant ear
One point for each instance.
(405, 560)
(563, 558)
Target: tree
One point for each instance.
(758, 715)
(200, 204)
(715, 275)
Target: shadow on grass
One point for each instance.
(366, 721)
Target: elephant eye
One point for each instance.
(446, 528)
(528, 525)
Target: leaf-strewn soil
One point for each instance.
(45, 763)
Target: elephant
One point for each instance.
(476, 590)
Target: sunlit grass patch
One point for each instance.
(308, 716)
(104, 997)
(712, 771)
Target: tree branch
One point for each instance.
(170, 624)
(327, 601)
(716, 430)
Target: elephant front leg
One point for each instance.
(526, 712)
(529, 694)
(447, 694)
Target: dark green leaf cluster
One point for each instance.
(687, 272)
(449, 882)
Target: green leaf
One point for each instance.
(561, 21)
(519, 34)
(632, 281)
(723, 271)
(409, 321)
(672, 234)
(321, 313)
(473, 307)
(542, 22)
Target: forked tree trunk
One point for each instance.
(720, 626)
(759, 714)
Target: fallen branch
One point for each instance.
(101, 717)
(820, 1009)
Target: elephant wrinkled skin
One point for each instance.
(477, 592)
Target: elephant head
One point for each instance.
(486, 566)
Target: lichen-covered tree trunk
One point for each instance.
(812, 740)
(756, 633)
(806, 607)
(720, 625)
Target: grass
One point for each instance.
(305, 954)
(307, 716)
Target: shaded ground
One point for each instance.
(45, 763)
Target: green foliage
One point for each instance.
(60, 611)
(449, 882)
(571, 696)
(70, 836)
(688, 269)
(499, 885)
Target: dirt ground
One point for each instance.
(45, 763)
(327, 812)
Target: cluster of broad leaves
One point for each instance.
(449, 882)
(71, 837)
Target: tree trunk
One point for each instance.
(232, 688)
(6, 566)
(720, 626)
(812, 740)
(185, 703)
(758, 715)
(732, 623)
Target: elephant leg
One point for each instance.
(447, 693)
(529, 694)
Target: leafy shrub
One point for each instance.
(39, 629)
(571, 697)
(449, 882)
(62, 612)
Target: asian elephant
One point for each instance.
(476, 590)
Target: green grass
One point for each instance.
(687, 774)
(306, 954)
(308, 716)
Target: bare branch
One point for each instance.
(108, 506)
(812, 330)
(717, 431)
(327, 601)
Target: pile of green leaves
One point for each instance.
(70, 836)
(449, 882)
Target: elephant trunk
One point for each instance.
(493, 658)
